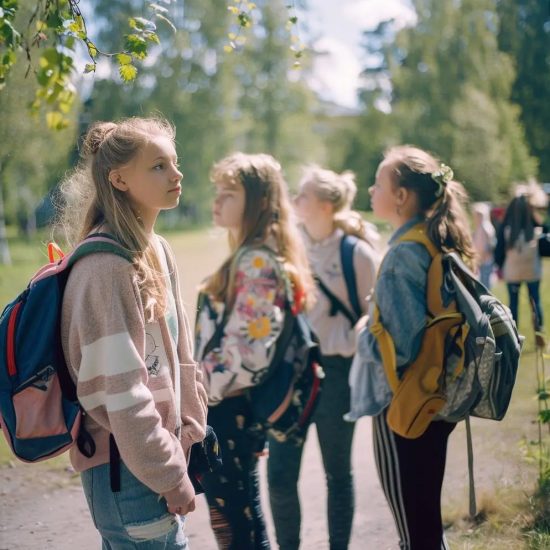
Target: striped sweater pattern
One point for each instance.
(124, 372)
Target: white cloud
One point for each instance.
(339, 26)
(336, 72)
(368, 13)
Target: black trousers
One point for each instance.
(411, 474)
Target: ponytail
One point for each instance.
(448, 225)
(440, 197)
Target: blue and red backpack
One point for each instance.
(39, 410)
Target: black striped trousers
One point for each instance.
(411, 474)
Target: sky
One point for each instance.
(339, 24)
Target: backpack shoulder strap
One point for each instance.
(288, 323)
(99, 242)
(347, 248)
(386, 345)
(335, 304)
(418, 234)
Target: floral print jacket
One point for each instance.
(252, 327)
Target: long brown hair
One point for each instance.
(89, 200)
(267, 214)
(340, 191)
(442, 203)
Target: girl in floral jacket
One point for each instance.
(247, 297)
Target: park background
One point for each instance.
(467, 79)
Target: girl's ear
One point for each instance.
(402, 195)
(116, 180)
(326, 207)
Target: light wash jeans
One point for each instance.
(485, 272)
(135, 518)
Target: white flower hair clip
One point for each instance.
(442, 177)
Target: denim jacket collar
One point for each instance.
(419, 218)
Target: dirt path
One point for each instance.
(41, 509)
(44, 508)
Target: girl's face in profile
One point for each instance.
(384, 199)
(229, 204)
(152, 180)
(308, 206)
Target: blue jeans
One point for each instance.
(534, 297)
(335, 441)
(485, 272)
(135, 518)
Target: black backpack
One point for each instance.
(284, 401)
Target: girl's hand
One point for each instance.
(181, 500)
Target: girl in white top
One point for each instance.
(328, 223)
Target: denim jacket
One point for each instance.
(400, 293)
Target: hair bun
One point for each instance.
(95, 136)
(350, 187)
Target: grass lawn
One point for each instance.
(505, 470)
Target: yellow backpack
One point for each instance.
(468, 358)
(419, 396)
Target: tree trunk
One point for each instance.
(5, 258)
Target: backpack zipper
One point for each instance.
(12, 369)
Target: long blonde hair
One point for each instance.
(340, 191)
(267, 214)
(442, 204)
(89, 200)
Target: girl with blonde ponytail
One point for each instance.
(126, 338)
(329, 226)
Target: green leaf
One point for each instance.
(70, 42)
(89, 68)
(50, 57)
(141, 24)
(152, 37)
(136, 45)
(124, 59)
(127, 72)
(544, 416)
(55, 120)
(92, 50)
(54, 20)
(293, 20)
(244, 19)
(10, 35)
(43, 76)
(9, 58)
(74, 27)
